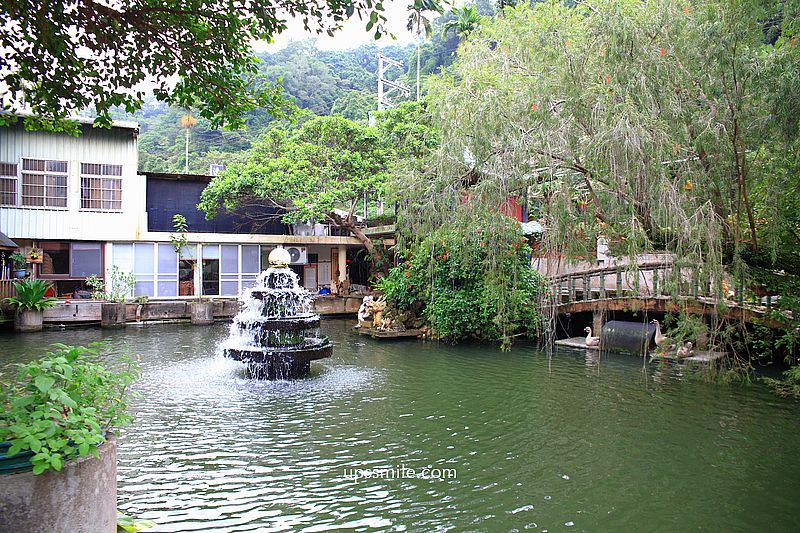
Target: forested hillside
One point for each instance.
(319, 81)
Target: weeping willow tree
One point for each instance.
(646, 122)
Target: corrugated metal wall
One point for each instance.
(115, 146)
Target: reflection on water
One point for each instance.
(577, 443)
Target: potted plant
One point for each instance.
(30, 302)
(58, 468)
(112, 311)
(20, 265)
(202, 312)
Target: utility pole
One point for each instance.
(187, 121)
(387, 89)
(186, 169)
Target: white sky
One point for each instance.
(353, 32)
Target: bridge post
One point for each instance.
(603, 285)
(597, 322)
(655, 282)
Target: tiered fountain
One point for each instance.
(275, 333)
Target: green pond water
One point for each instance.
(561, 443)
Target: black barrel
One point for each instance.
(633, 337)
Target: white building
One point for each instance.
(82, 203)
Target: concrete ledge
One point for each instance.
(82, 498)
(89, 311)
(337, 305)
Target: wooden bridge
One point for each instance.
(658, 287)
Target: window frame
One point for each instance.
(69, 276)
(15, 178)
(117, 178)
(45, 173)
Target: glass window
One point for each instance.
(143, 288)
(210, 276)
(44, 183)
(230, 259)
(122, 256)
(8, 184)
(167, 288)
(87, 259)
(167, 270)
(189, 251)
(143, 258)
(55, 259)
(100, 187)
(250, 259)
(167, 259)
(229, 288)
(210, 251)
(186, 269)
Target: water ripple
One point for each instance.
(571, 442)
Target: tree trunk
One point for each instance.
(375, 254)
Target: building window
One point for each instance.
(101, 186)
(8, 184)
(73, 260)
(44, 183)
(208, 269)
(155, 266)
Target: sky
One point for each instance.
(353, 32)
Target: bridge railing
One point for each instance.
(654, 279)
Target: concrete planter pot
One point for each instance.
(112, 315)
(202, 313)
(81, 498)
(30, 320)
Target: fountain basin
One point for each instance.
(275, 334)
(281, 363)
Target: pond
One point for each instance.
(419, 436)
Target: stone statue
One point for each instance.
(370, 312)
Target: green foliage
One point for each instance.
(121, 286)
(62, 59)
(179, 239)
(468, 20)
(31, 295)
(321, 81)
(20, 261)
(328, 163)
(127, 524)
(636, 127)
(463, 290)
(789, 386)
(417, 21)
(355, 105)
(62, 406)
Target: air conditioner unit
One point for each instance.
(299, 254)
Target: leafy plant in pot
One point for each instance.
(113, 295)
(20, 265)
(30, 302)
(56, 419)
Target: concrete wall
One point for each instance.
(77, 311)
(82, 498)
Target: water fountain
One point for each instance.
(275, 333)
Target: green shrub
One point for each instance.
(31, 295)
(462, 287)
(62, 406)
